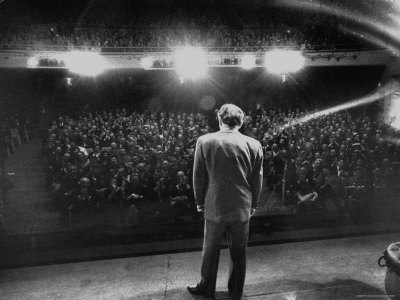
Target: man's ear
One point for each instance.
(219, 121)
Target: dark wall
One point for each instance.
(28, 91)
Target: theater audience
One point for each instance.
(239, 29)
(331, 164)
(136, 159)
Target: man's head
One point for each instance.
(181, 176)
(122, 151)
(302, 172)
(84, 182)
(231, 116)
(73, 171)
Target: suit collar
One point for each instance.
(225, 130)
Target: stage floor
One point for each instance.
(326, 269)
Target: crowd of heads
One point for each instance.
(341, 159)
(239, 29)
(125, 157)
(337, 162)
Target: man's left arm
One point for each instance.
(257, 178)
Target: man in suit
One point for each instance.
(227, 182)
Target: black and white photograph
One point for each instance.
(199, 149)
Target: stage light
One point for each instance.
(283, 61)
(290, 296)
(248, 61)
(146, 62)
(392, 113)
(85, 63)
(190, 63)
(33, 62)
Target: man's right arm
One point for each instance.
(200, 176)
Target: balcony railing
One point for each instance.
(38, 48)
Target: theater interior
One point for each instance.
(101, 106)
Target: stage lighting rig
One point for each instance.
(190, 63)
(33, 62)
(283, 61)
(392, 113)
(248, 61)
(85, 63)
(147, 62)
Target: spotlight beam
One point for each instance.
(379, 94)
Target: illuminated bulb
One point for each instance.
(190, 63)
(146, 62)
(283, 61)
(248, 61)
(85, 63)
(33, 62)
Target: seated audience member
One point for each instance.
(306, 193)
(356, 202)
(84, 198)
(113, 193)
(182, 193)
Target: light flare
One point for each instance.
(392, 114)
(146, 62)
(248, 61)
(33, 62)
(283, 61)
(190, 63)
(85, 63)
(290, 296)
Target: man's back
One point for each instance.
(228, 167)
(227, 182)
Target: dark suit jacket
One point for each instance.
(227, 175)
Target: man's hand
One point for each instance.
(200, 208)
(252, 212)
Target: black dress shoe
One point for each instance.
(195, 290)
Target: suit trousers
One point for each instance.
(237, 234)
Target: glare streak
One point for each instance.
(380, 94)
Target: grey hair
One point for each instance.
(231, 115)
